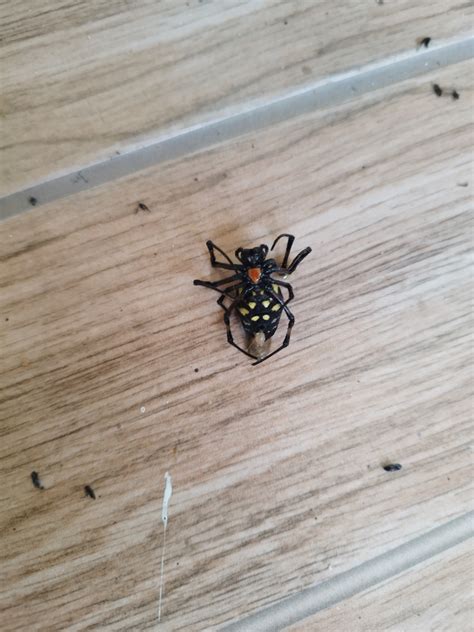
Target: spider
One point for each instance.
(255, 294)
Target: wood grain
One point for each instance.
(435, 596)
(83, 81)
(277, 470)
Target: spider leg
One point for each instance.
(285, 268)
(228, 291)
(220, 301)
(298, 259)
(225, 292)
(291, 294)
(289, 244)
(291, 322)
(214, 284)
(217, 264)
(230, 339)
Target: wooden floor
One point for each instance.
(115, 369)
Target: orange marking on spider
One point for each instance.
(254, 274)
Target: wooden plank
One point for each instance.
(277, 469)
(436, 596)
(82, 82)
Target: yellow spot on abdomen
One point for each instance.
(252, 305)
(255, 318)
(243, 311)
(266, 317)
(276, 307)
(275, 288)
(266, 303)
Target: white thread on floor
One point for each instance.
(164, 519)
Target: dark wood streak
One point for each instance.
(29, 248)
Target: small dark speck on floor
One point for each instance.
(7, 319)
(392, 467)
(285, 22)
(35, 479)
(89, 491)
(463, 184)
(438, 90)
(141, 206)
(196, 370)
(196, 179)
(423, 41)
(32, 200)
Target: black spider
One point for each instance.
(255, 294)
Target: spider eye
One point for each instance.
(264, 249)
(238, 253)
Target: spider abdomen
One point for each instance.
(259, 311)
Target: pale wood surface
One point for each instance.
(436, 596)
(277, 469)
(82, 81)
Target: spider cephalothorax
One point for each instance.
(255, 294)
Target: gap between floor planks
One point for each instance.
(83, 83)
(293, 609)
(322, 95)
